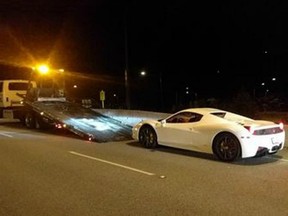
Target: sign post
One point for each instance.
(102, 98)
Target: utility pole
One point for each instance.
(161, 90)
(127, 87)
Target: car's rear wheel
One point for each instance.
(226, 147)
(148, 137)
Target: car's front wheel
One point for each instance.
(226, 147)
(148, 137)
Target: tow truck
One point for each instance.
(46, 106)
(12, 92)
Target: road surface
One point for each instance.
(59, 174)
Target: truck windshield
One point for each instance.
(18, 86)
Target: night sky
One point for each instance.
(215, 48)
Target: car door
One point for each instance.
(175, 134)
(176, 131)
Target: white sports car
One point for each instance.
(227, 135)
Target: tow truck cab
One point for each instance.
(12, 93)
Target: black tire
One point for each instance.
(29, 120)
(39, 124)
(226, 147)
(148, 137)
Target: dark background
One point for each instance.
(203, 51)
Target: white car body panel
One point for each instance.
(199, 135)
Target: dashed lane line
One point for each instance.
(112, 163)
(5, 134)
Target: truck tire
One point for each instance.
(29, 120)
(40, 124)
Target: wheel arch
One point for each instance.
(147, 125)
(147, 136)
(223, 133)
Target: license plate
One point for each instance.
(275, 141)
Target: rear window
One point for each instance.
(18, 86)
(219, 114)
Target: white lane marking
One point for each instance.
(112, 163)
(284, 160)
(5, 134)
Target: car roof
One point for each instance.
(203, 110)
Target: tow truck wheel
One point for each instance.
(29, 120)
(39, 123)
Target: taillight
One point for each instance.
(281, 125)
(59, 126)
(266, 131)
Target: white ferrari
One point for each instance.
(227, 135)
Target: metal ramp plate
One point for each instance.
(83, 121)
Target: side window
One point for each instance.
(173, 119)
(178, 118)
(184, 117)
(1, 86)
(195, 117)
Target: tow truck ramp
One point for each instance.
(81, 121)
(45, 105)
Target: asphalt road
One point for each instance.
(60, 174)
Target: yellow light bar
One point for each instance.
(43, 69)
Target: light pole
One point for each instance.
(161, 89)
(127, 87)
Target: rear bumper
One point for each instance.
(264, 151)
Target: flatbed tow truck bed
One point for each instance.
(81, 121)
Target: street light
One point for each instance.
(42, 69)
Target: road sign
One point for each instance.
(102, 97)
